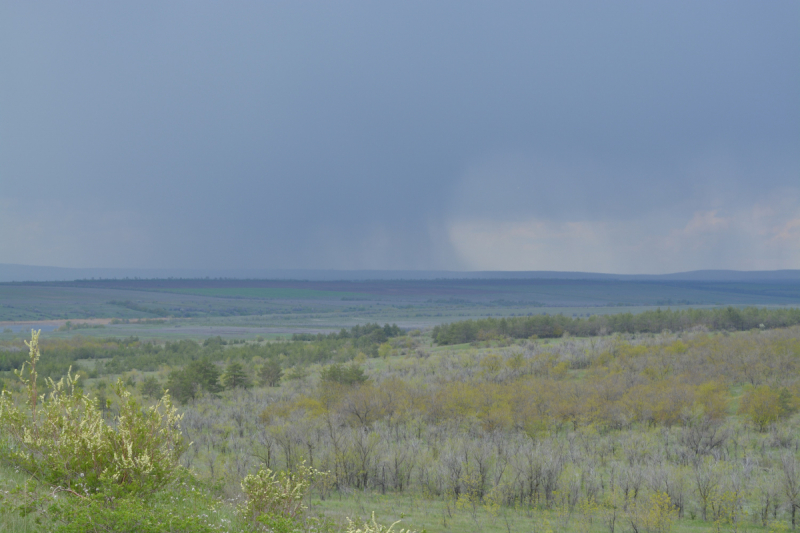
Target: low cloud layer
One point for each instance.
(763, 237)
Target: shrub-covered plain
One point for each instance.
(696, 430)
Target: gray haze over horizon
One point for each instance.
(10, 273)
(621, 137)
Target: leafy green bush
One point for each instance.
(61, 438)
(103, 474)
(277, 494)
(175, 512)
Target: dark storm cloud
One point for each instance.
(364, 135)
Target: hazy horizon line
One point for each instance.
(20, 273)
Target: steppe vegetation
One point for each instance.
(644, 430)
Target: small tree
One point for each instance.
(270, 373)
(351, 374)
(763, 406)
(235, 376)
(791, 484)
(187, 384)
(205, 374)
(384, 350)
(654, 515)
(151, 388)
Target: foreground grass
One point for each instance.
(180, 500)
(414, 511)
(420, 514)
(10, 519)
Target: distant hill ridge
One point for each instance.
(22, 273)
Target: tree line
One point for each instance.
(552, 326)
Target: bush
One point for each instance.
(653, 515)
(158, 513)
(373, 526)
(270, 494)
(763, 406)
(62, 442)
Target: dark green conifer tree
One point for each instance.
(235, 376)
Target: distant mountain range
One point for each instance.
(22, 273)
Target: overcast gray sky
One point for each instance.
(625, 137)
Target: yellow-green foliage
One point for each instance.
(658, 384)
(655, 515)
(60, 438)
(764, 405)
(278, 494)
(372, 526)
(603, 426)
